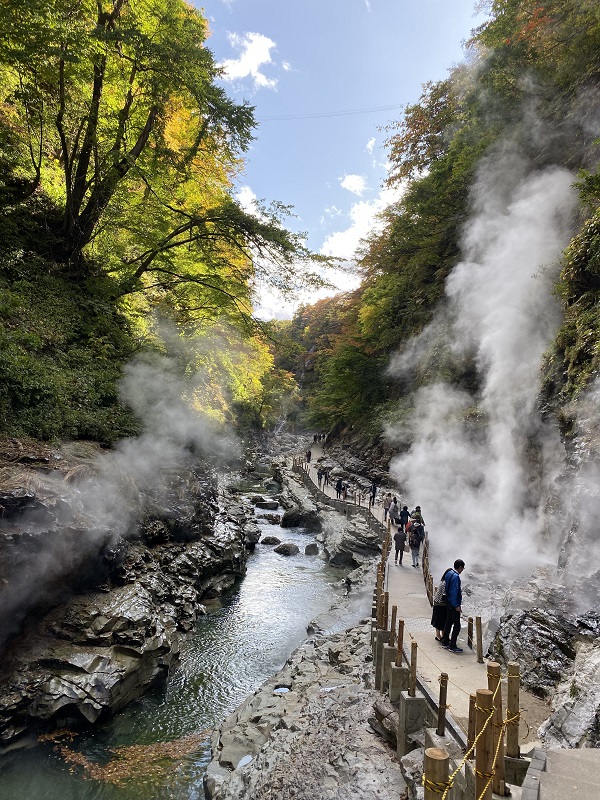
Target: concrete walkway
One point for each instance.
(407, 591)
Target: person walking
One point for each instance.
(372, 494)
(399, 542)
(320, 476)
(454, 607)
(308, 455)
(387, 502)
(440, 608)
(414, 541)
(404, 516)
(394, 512)
(339, 487)
(417, 515)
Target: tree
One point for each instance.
(124, 128)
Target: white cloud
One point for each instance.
(370, 145)
(343, 244)
(353, 183)
(255, 51)
(247, 199)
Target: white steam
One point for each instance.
(467, 465)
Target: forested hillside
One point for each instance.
(117, 154)
(527, 97)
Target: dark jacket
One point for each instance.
(404, 515)
(453, 589)
(400, 539)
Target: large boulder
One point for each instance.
(287, 549)
(298, 517)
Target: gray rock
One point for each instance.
(287, 549)
(270, 540)
(311, 549)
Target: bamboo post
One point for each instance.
(393, 626)
(386, 603)
(472, 726)
(441, 721)
(484, 750)
(436, 769)
(412, 680)
(479, 640)
(430, 590)
(470, 633)
(400, 643)
(512, 710)
(495, 686)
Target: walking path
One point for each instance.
(407, 591)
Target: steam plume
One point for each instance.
(468, 463)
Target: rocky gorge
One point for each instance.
(311, 725)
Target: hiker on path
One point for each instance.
(320, 476)
(417, 515)
(454, 601)
(308, 456)
(404, 516)
(414, 541)
(326, 477)
(372, 494)
(394, 512)
(399, 542)
(339, 487)
(440, 607)
(387, 502)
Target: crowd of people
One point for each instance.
(410, 528)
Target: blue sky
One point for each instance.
(324, 75)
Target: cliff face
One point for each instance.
(94, 611)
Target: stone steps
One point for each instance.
(565, 775)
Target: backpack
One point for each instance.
(415, 539)
(439, 598)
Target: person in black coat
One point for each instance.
(399, 542)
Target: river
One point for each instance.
(159, 746)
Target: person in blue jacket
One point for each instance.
(454, 603)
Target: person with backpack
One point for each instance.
(414, 541)
(339, 488)
(399, 542)
(439, 612)
(417, 515)
(387, 502)
(454, 603)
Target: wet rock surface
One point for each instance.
(119, 599)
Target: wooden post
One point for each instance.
(472, 726)
(430, 590)
(470, 633)
(435, 768)
(393, 626)
(412, 680)
(512, 710)
(386, 603)
(441, 724)
(479, 640)
(495, 686)
(400, 643)
(484, 751)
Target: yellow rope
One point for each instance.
(438, 788)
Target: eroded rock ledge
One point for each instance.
(96, 619)
(305, 733)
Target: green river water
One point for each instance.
(245, 638)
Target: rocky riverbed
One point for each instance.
(122, 604)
